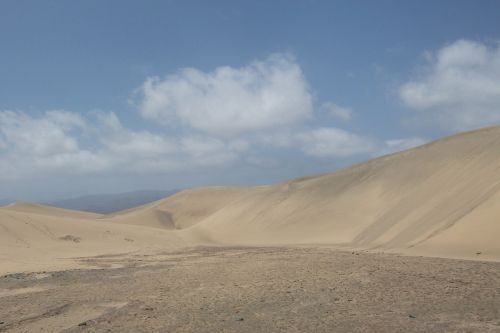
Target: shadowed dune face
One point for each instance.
(183, 209)
(441, 199)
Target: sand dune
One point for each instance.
(440, 199)
(38, 241)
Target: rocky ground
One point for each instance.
(256, 290)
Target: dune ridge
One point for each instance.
(439, 199)
(26, 207)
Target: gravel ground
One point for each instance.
(256, 290)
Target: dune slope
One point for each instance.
(439, 199)
(183, 209)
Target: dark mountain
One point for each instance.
(110, 203)
(6, 201)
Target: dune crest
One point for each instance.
(27, 207)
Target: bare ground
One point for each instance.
(256, 290)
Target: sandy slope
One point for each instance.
(441, 199)
(35, 241)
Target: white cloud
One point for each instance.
(230, 101)
(67, 120)
(52, 143)
(459, 88)
(219, 118)
(139, 144)
(38, 137)
(333, 142)
(280, 139)
(208, 151)
(77, 162)
(336, 111)
(121, 141)
(262, 161)
(58, 143)
(337, 143)
(44, 144)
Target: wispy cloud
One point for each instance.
(333, 142)
(336, 111)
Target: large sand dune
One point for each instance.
(440, 199)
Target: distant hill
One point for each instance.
(6, 201)
(110, 203)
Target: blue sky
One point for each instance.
(110, 96)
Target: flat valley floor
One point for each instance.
(256, 290)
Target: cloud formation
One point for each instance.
(227, 101)
(58, 142)
(459, 88)
(210, 119)
(336, 111)
(334, 142)
(54, 142)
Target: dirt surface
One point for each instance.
(256, 290)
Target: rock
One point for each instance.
(240, 319)
(412, 316)
(83, 324)
(71, 238)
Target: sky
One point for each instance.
(114, 96)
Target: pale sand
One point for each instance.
(441, 199)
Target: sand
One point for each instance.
(31, 241)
